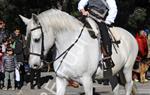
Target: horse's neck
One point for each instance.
(65, 39)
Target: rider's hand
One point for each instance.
(108, 22)
(84, 13)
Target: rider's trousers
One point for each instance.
(105, 37)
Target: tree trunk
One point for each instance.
(59, 4)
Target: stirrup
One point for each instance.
(108, 63)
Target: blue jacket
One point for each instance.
(9, 63)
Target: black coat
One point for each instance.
(19, 49)
(3, 34)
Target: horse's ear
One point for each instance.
(35, 18)
(24, 19)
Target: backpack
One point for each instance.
(98, 7)
(26, 67)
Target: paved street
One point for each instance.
(48, 88)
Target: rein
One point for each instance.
(67, 50)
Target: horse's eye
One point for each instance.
(36, 40)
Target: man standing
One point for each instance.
(18, 46)
(3, 32)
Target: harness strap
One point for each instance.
(67, 50)
(35, 54)
(42, 47)
(39, 27)
(96, 19)
(115, 41)
(113, 37)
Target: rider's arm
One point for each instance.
(81, 6)
(112, 11)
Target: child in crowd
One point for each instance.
(1, 69)
(9, 62)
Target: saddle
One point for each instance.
(93, 30)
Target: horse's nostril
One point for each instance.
(35, 65)
(36, 40)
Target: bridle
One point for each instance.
(42, 44)
(43, 49)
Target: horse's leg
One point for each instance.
(61, 84)
(32, 75)
(87, 84)
(116, 90)
(38, 79)
(128, 75)
(114, 84)
(129, 82)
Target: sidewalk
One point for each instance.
(48, 88)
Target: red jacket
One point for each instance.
(142, 44)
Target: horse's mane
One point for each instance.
(59, 20)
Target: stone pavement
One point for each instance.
(48, 88)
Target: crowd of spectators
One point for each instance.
(12, 58)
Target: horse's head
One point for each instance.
(40, 43)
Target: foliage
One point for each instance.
(10, 9)
(137, 19)
(74, 10)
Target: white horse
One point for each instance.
(78, 54)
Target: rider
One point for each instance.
(100, 6)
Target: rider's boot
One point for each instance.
(107, 65)
(108, 62)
